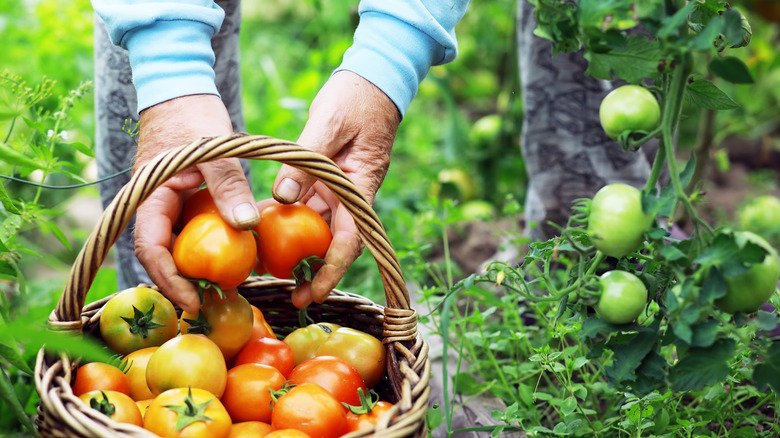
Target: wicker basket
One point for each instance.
(61, 414)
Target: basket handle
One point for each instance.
(67, 314)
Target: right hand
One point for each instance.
(171, 124)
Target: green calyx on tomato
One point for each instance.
(747, 291)
(190, 411)
(623, 297)
(629, 108)
(616, 220)
(140, 323)
(104, 406)
(124, 327)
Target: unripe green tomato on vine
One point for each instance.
(623, 297)
(629, 108)
(748, 291)
(617, 223)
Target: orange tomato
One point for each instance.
(260, 327)
(187, 412)
(249, 429)
(187, 361)
(309, 408)
(361, 350)
(136, 373)
(287, 433)
(335, 375)
(117, 405)
(247, 395)
(268, 351)
(226, 322)
(100, 376)
(200, 202)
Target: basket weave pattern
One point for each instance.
(61, 414)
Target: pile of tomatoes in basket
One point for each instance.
(223, 372)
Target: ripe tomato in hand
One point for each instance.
(623, 297)
(334, 374)
(629, 108)
(187, 412)
(100, 376)
(116, 405)
(617, 223)
(361, 350)
(137, 318)
(268, 351)
(187, 361)
(200, 202)
(227, 322)
(247, 395)
(207, 248)
(749, 290)
(305, 341)
(288, 234)
(309, 408)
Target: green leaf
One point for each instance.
(640, 60)
(701, 367)
(767, 373)
(704, 334)
(673, 24)
(7, 268)
(10, 399)
(15, 158)
(9, 349)
(54, 229)
(81, 147)
(7, 202)
(731, 69)
(705, 94)
(629, 356)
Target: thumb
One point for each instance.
(228, 186)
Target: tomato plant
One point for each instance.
(268, 351)
(617, 222)
(309, 408)
(304, 341)
(137, 318)
(623, 297)
(226, 321)
(207, 248)
(289, 235)
(187, 361)
(748, 290)
(361, 350)
(629, 108)
(136, 373)
(100, 376)
(116, 405)
(333, 374)
(187, 412)
(247, 395)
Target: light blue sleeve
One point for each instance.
(398, 41)
(169, 43)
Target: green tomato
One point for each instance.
(761, 215)
(629, 108)
(623, 297)
(748, 291)
(617, 223)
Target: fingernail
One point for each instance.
(288, 190)
(245, 213)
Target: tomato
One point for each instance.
(305, 341)
(761, 215)
(617, 223)
(250, 429)
(629, 108)
(100, 376)
(747, 291)
(288, 234)
(361, 350)
(260, 327)
(137, 318)
(268, 351)
(143, 405)
(247, 395)
(187, 412)
(226, 322)
(207, 248)
(187, 361)
(118, 406)
(334, 374)
(136, 373)
(309, 408)
(623, 297)
(287, 433)
(368, 419)
(200, 202)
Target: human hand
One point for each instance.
(171, 124)
(354, 123)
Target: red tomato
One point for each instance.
(136, 373)
(119, 406)
(100, 376)
(369, 419)
(247, 395)
(187, 412)
(288, 234)
(187, 361)
(268, 351)
(260, 327)
(226, 322)
(200, 202)
(335, 375)
(305, 341)
(207, 248)
(361, 350)
(250, 429)
(309, 408)
(137, 318)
